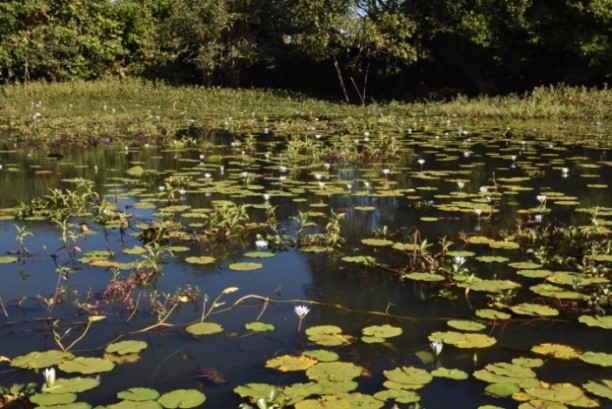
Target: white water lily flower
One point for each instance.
(436, 347)
(459, 260)
(261, 243)
(541, 198)
(301, 311)
(460, 185)
(478, 211)
(49, 375)
(421, 162)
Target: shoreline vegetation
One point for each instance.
(133, 111)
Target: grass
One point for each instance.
(134, 111)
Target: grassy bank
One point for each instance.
(133, 111)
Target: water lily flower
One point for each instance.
(386, 171)
(207, 175)
(161, 188)
(478, 212)
(49, 375)
(460, 185)
(327, 166)
(201, 156)
(260, 242)
(436, 347)
(244, 174)
(459, 260)
(421, 162)
(513, 157)
(484, 189)
(301, 311)
(318, 176)
(538, 218)
(318, 136)
(466, 154)
(541, 198)
(282, 169)
(182, 191)
(266, 196)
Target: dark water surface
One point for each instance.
(173, 357)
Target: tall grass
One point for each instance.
(121, 111)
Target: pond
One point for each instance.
(326, 268)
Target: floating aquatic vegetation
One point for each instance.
(204, 328)
(86, 365)
(245, 266)
(556, 350)
(258, 326)
(379, 333)
(126, 347)
(328, 335)
(461, 340)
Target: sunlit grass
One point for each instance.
(119, 111)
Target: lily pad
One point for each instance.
(502, 390)
(328, 335)
(326, 401)
(379, 333)
(602, 389)
(50, 399)
(182, 398)
(490, 314)
(200, 260)
(126, 347)
(322, 355)
(407, 377)
(259, 254)
(596, 358)
(465, 325)
(38, 360)
(556, 350)
(456, 374)
(86, 365)
(72, 385)
(491, 286)
(334, 371)
(377, 242)
(558, 392)
(537, 310)
(138, 394)
(8, 259)
(245, 266)
(418, 276)
(204, 328)
(287, 363)
(398, 395)
(595, 321)
(461, 340)
(258, 326)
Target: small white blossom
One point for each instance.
(541, 198)
(261, 243)
(478, 211)
(436, 347)
(301, 311)
(421, 161)
(459, 260)
(538, 218)
(49, 375)
(460, 185)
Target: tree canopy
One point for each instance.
(348, 48)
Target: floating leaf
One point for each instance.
(204, 328)
(365, 260)
(506, 245)
(504, 372)
(200, 260)
(245, 266)
(72, 385)
(490, 314)
(258, 326)
(534, 273)
(602, 389)
(502, 390)
(491, 286)
(360, 400)
(406, 246)
(492, 259)
(553, 291)
(259, 254)
(135, 171)
(376, 242)
(398, 395)
(456, 374)
(528, 362)
(254, 391)
(597, 358)
(38, 360)
(8, 259)
(128, 404)
(556, 350)
(334, 371)
(126, 347)
(138, 394)
(50, 399)
(461, 340)
(524, 265)
(465, 325)
(407, 377)
(299, 391)
(594, 321)
(287, 363)
(182, 398)
(329, 401)
(328, 335)
(418, 276)
(557, 392)
(534, 310)
(379, 333)
(322, 355)
(86, 366)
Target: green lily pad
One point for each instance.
(258, 326)
(72, 385)
(86, 366)
(138, 394)
(405, 246)
(254, 391)
(50, 399)
(334, 371)
(502, 390)
(8, 259)
(596, 358)
(537, 310)
(398, 395)
(74, 405)
(365, 260)
(490, 314)
(504, 372)
(126, 347)
(528, 362)
(128, 404)
(322, 355)
(287, 363)
(135, 171)
(360, 400)
(182, 398)
(602, 389)
(538, 273)
(553, 291)
(492, 259)
(418, 276)
(326, 401)
(524, 265)
(461, 340)
(377, 242)
(200, 260)
(595, 321)
(456, 374)
(407, 377)
(259, 254)
(558, 392)
(379, 333)
(328, 335)
(465, 325)
(245, 266)
(559, 351)
(297, 392)
(506, 245)
(491, 286)
(204, 328)
(38, 360)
